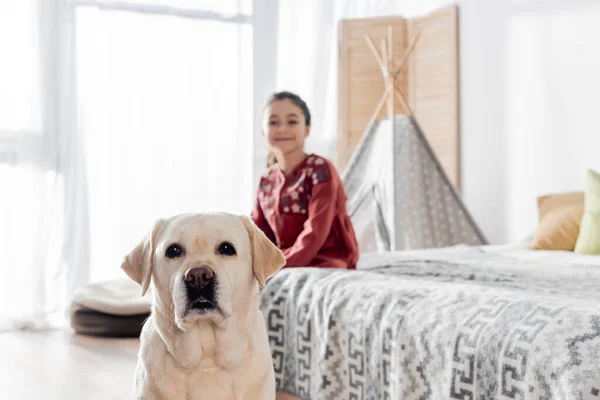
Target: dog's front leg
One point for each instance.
(260, 389)
(148, 391)
(266, 393)
(153, 384)
(145, 388)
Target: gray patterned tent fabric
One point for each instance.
(399, 196)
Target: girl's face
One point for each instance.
(284, 127)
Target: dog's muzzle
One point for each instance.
(201, 288)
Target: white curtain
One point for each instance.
(113, 114)
(307, 53)
(41, 205)
(165, 105)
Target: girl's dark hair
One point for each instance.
(298, 102)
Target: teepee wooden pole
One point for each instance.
(407, 54)
(403, 100)
(390, 44)
(385, 59)
(391, 77)
(374, 50)
(385, 71)
(382, 101)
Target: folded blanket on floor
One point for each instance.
(112, 308)
(116, 297)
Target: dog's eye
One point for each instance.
(174, 251)
(226, 249)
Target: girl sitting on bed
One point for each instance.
(301, 203)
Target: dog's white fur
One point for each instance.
(222, 355)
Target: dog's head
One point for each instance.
(203, 266)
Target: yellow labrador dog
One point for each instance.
(206, 337)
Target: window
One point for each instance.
(165, 109)
(113, 114)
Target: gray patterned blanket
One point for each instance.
(457, 323)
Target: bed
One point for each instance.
(464, 322)
(453, 321)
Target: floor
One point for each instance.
(62, 365)
(65, 366)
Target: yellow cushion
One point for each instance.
(559, 218)
(588, 241)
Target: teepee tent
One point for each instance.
(399, 196)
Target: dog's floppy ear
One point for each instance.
(267, 259)
(138, 263)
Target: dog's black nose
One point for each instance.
(200, 276)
